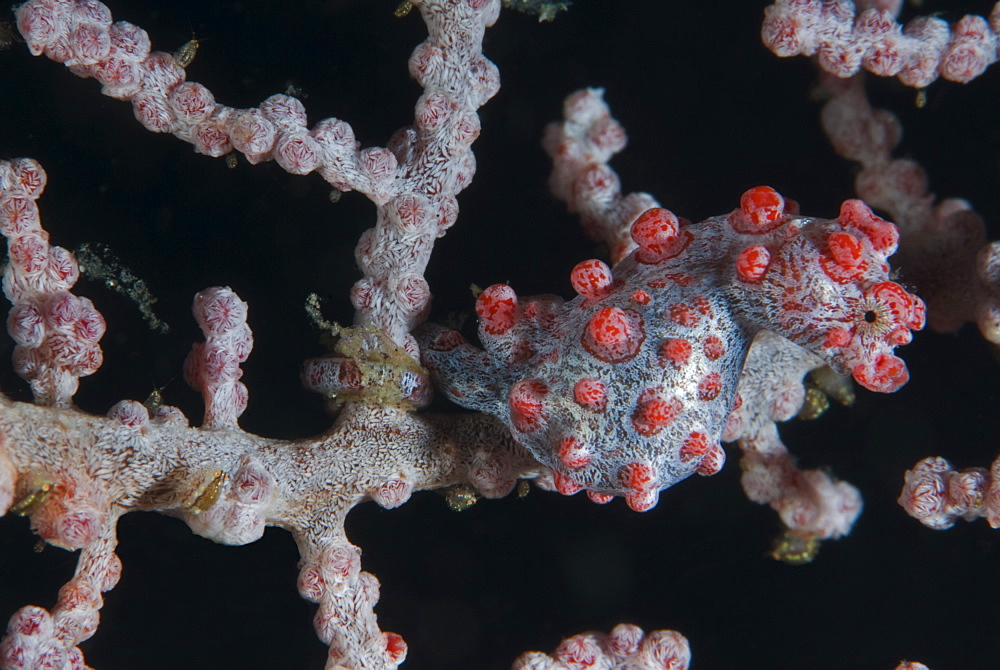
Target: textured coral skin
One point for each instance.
(848, 38)
(781, 626)
(625, 389)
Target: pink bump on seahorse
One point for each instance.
(625, 389)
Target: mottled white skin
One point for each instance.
(770, 386)
(696, 294)
(943, 250)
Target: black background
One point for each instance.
(709, 114)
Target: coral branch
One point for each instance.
(625, 647)
(847, 39)
(937, 495)
(56, 332)
(688, 335)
